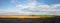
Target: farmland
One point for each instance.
(26, 19)
(24, 16)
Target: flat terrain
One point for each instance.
(22, 16)
(30, 20)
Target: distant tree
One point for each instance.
(33, 15)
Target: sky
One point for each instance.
(41, 7)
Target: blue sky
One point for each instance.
(19, 6)
(50, 1)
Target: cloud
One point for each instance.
(34, 6)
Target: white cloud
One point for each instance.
(36, 6)
(33, 5)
